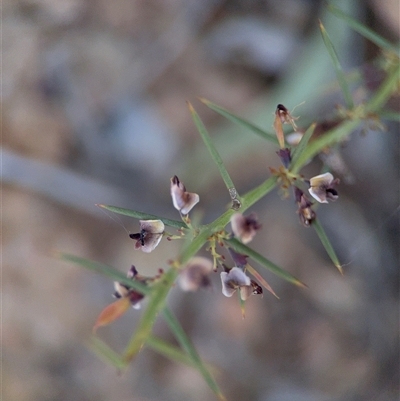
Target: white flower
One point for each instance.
(237, 279)
(182, 200)
(151, 232)
(321, 188)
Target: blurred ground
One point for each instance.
(94, 112)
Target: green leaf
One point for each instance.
(363, 30)
(187, 345)
(333, 136)
(338, 68)
(327, 245)
(168, 350)
(155, 304)
(105, 270)
(216, 157)
(104, 352)
(244, 249)
(143, 216)
(377, 101)
(240, 121)
(298, 150)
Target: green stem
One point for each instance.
(386, 90)
(156, 303)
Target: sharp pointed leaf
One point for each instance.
(327, 244)
(216, 157)
(261, 279)
(240, 121)
(239, 247)
(363, 30)
(105, 270)
(187, 345)
(338, 68)
(143, 216)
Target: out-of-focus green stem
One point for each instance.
(156, 304)
(387, 88)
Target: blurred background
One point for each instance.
(93, 98)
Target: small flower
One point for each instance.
(196, 274)
(151, 232)
(182, 200)
(123, 291)
(237, 279)
(306, 214)
(245, 228)
(321, 188)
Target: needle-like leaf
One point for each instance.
(143, 216)
(216, 157)
(239, 247)
(187, 345)
(363, 30)
(327, 244)
(105, 270)
(240, 121)
(338, 68)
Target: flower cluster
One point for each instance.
(196, 274)
(321, 187)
